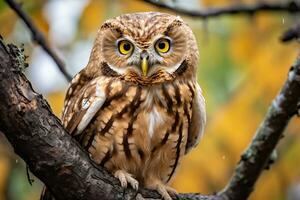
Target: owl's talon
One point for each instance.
(171, 191)
(121, 178)
(134, 183)
(165, 191)
(126, 178)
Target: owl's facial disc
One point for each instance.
(146, 48)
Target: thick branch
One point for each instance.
(255, 158)
(290, 6)
(51, 154)
(38, 37)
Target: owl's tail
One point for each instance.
(46, 195)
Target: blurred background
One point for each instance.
(242, 67)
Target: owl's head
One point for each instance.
(145, 48)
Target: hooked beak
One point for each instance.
(144, 62)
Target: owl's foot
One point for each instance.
(126, 178)
(165, 191)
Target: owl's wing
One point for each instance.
(83, 106)
(198, 120)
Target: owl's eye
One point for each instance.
(162, 45)
(125, 47)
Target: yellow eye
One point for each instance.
(162, 45)
(125, 47)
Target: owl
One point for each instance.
(136, 107)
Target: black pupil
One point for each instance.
(126, 46)
(161, 45)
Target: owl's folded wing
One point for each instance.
(82, 107)
(198, 120)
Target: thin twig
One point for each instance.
(290, 6)
(291, 34)
(38, 37)
(30, 180)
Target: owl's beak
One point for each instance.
(144, 62)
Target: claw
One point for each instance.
(171, 191)
(126, 178)
(165, 191)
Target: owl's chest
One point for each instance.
(154, 119)
(159, 115)
(140, 123)
(152, 115)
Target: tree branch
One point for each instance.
(256, 157)
(38, 37)
(290, 6)
(51, 154)
(55, 158)
(291, 34)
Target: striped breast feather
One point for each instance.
(87, 104)
(198, 119)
